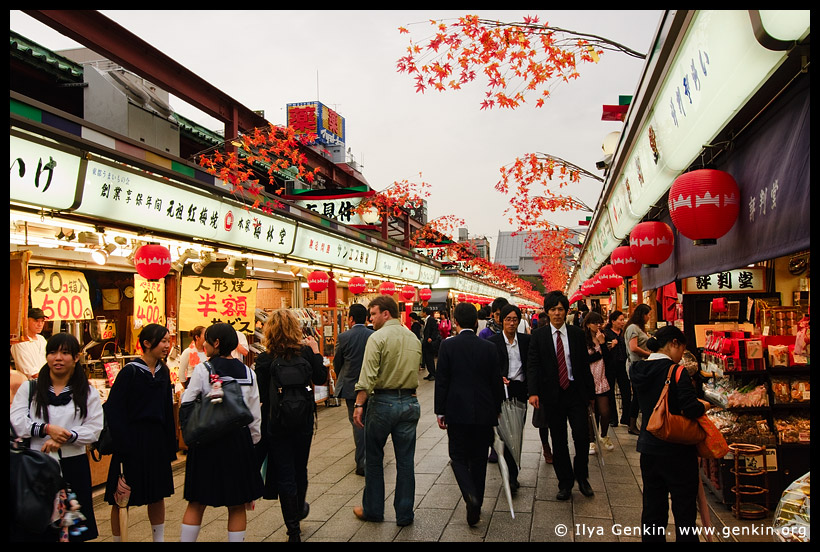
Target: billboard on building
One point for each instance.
(317, 118)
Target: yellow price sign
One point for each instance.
(149, 301)
(205, 301)
(62, 294)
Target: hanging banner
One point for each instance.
(205, 301)
(62, 294)
(149, 301)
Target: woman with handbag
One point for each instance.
(288, 447)
(667, 469)
(140, 416)
(222, 472)
(61, 413)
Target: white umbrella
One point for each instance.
(498, 445)
(591, 412)
(511, 425)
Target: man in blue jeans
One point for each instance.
(387, 383)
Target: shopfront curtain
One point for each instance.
(770, 162)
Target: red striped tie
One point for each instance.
(563, 374)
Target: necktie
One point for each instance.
(563, 374)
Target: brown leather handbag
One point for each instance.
(673, 428)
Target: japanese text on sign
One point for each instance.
(741, 280)
(62, 294)
(205, 301)
(149, 301)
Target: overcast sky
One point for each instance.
(347, 60)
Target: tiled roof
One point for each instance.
(61, 67)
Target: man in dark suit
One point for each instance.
(348, 364)
(559, 379)
(430, 340)
(469, 391)
(512, 348)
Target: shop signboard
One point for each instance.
(113, 193)
(340, 207)
(149, 301)
(742, 280)
(321, 247)
(205, 301)
(42, 175)
(62, 294)
(396, 266)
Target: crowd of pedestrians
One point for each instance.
(566, 370)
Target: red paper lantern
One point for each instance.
(586, 287)
(357, 285)
(152, 261)
(609, 277)
(461, 297)
(387, 288)
(408, 292)
(704, 205)
(651, 242)
(318, 280)
(624, 262)
(425, 294)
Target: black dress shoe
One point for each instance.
(585, 488)
(564, 494)
(473, 511)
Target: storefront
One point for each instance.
(720, 92)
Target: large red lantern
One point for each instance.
(387, 288)
(651, 242)
(609, 277)
(586, 287)
(704, 205)
(318, 280)
(425, 294)
(461, 297)
(357, 285)
(624, 262)
(408, 292)
(152, 261)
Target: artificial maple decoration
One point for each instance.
(239, 161)
(516, 58)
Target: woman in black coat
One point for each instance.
(287, 449)
(667, 469)
(614, 333)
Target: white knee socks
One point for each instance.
(189, 533)
(158, 532)
(236, 536)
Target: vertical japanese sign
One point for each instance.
(205, 301)
(149, 301)
(62, 294)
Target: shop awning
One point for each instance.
(771, 164)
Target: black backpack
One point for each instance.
(292, 405)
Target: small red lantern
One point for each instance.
(357, 285)
(408, 292)
(704, 204)
(387, 288)
(624, 262)
(318, 280)
(152, 261)
(651, 242)
(461, 297)
(425, 294)
(609, 277)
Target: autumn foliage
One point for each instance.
(516, 59)
(272, 150)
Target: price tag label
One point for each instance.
(62, 294)
(149, 301)
(205, 301)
